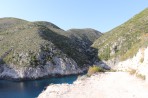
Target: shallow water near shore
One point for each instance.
(30, 89)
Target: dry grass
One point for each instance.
(141, 76)
(141, 60)
(132, 71)
(94, 69)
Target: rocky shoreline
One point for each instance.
(49, 70)
(39, 78)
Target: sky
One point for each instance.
(102, 15)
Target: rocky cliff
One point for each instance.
(31, 50)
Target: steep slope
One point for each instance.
(75, 42)
(28, 51)
(125, 40)
(84, 38)
(37, 49)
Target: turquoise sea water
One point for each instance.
(30, 89)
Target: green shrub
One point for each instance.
(34, 61)
(105, 55)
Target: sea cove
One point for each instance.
(30, 89)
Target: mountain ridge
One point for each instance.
(39, 46)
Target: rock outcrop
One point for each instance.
(63, 66)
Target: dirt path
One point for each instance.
(107, 85)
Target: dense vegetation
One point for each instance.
(125, 40)
(24, 43)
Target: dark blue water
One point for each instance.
(30, 89)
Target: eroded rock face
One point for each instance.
(139, 63)
(49, 61)
(62, 66)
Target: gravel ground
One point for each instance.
(100, 85)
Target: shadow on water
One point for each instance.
(30, 89)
